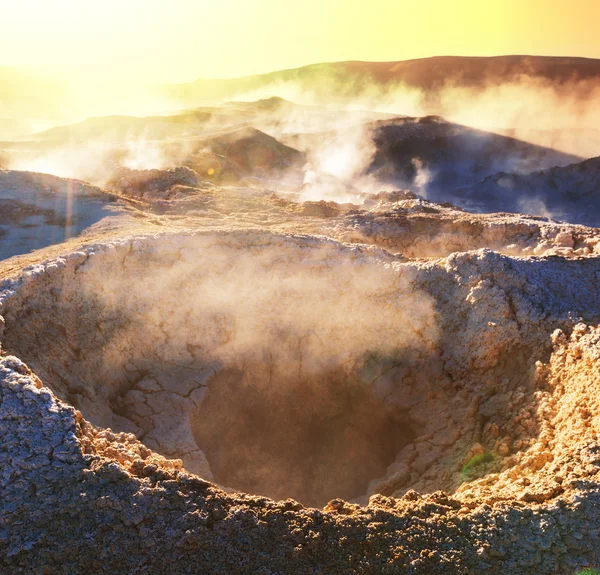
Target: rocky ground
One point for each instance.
(38, 210)
(421, 381)
(568, 193)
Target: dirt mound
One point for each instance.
(152, 184)
(253, 152)
(448, 155)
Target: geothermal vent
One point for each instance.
(298, 368)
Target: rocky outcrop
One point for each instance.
(152, 184)
(37, 210)
(570, 193)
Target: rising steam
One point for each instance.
(302, 346)
(329, 123)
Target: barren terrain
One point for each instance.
(271, 338)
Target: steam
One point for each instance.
(537, 207)
(336, 170)
(565, 118)
(96, 161)
(315, 309)
(296, 321)
(331, 122)
(422, 177)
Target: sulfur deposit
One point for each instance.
(250, 383)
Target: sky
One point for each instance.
(181, 40)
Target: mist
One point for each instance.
(325, 130)
(271, 364)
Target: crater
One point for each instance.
(296, 367)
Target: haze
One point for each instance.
(181, 40)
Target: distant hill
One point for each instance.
(273, 114)
(252, 139)
(431, 155)
(24, 93)
(348, 79)
(123, 128)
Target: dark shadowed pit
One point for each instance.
(311, 439)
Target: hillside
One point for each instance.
(348, 79)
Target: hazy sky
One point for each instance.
(180, 40)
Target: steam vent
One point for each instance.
(375, 392)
